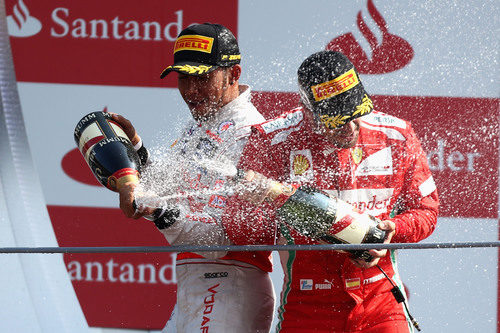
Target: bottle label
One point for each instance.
(107, 150)
(280, 193)
(91, 135)
(349, 226)
(94, 134)
(122, 176)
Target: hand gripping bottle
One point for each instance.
(113, 159)
(317, 215)
(107, 150)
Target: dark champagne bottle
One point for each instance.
(316, 215)
(113, 159)
(330, 220)
(107, 150)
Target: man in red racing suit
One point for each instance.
(384, 173)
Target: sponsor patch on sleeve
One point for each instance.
(224, 126)
(384, 120)
(285, 121)
(354, 283)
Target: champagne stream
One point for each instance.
(169, 179)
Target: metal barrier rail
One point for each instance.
(195, 248)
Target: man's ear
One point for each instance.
(235, 74)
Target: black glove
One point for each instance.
(165, 220)
(162, 217)
(143, 155)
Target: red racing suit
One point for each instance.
(385, 174)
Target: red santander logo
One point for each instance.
(74, 165)
(387, 55)
(111, 42)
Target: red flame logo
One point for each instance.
(391, 54)
(74, 165)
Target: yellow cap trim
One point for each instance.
(188, 69)
(334, 122)
(365, 107)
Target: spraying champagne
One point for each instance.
(315, 214)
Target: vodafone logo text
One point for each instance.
(209, 307)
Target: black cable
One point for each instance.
(398, 295)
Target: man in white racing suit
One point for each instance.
(216, 292)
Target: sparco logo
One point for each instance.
(21, 23)
(215, 275)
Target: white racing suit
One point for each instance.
(216, 292)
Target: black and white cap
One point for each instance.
(330, 87)
(201, 48)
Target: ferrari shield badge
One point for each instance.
(357, 155)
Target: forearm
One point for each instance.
(184, 232)
(247, 224)
(419, 204)
(416, 224)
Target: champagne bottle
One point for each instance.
(107, 150)
(330, 220)
(113, 159)
(317, 215)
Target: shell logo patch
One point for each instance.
(300, 164)
(357, 155)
